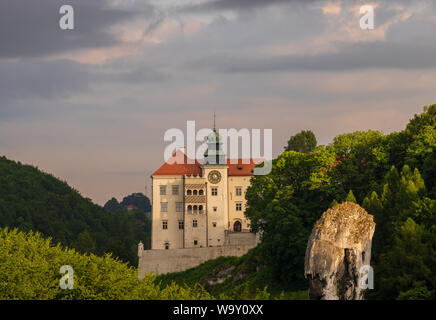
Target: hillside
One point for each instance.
(235, 278)
(30, 270)
(34, 200)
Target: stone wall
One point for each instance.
(174, 260)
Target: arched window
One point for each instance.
(237, 226)
(189, 208)
(200, 208)
(195, 192)
(195, 209)
(189, 192)
(201, 192)
(167, 245)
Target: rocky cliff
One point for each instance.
(340, 244)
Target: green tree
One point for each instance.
(408, 268)
(29, 270)
(350, 197)
(304, 142)
(84, 243)
(284, 206)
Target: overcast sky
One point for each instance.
(91, 105)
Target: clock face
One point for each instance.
(214, 177)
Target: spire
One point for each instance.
(214, 128)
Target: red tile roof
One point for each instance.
(241, 169)
(177, 168)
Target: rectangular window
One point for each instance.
(194, 223)
(163, 190)
(179, 206)
(181, 225)
(195, 242)
(164, 206)
(239, 206)
(165, 225)
(214, 191)
(238, 191)
(175, 190)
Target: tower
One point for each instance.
(215, 170)
(214, 153)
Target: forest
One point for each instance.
(391, 175)
(33, 200)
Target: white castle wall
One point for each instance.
(174, 260)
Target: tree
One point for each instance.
(304, 142)
(351, 197)
(284, 206)
(407, 270)
(84, 242)
(113, 205)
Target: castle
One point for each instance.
(198, 210)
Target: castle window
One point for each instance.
(165, 225)
(175, 189)
(181, 225)
(200, 192)
(214, 191)
(194, 223)
(214, 224)
(200, 208)
(195, 242)
(189, 192)
(189, 208)
(163, 190)
(195, 209)
(179, 206)
(194, 192)
(164, 206)
(215, 209)
(167, 245)
(238, 191)
(238, 206)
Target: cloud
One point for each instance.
(37, 79)
(31, 28)
(239, 4)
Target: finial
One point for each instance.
(214, 129)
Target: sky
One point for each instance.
(91, 105)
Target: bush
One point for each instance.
(30, 269)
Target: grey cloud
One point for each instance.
(31, 28)
(409, 45)
(350, 57)
(241, 4)
(40, 79)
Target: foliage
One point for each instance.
(30, 269)
(33, 200)
(304, 142)
(407, 270)
(350, 197)
(285, 204)
(233, 278)
(138, 200)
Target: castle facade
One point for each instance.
(199, 205)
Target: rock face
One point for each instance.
(340, 244)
